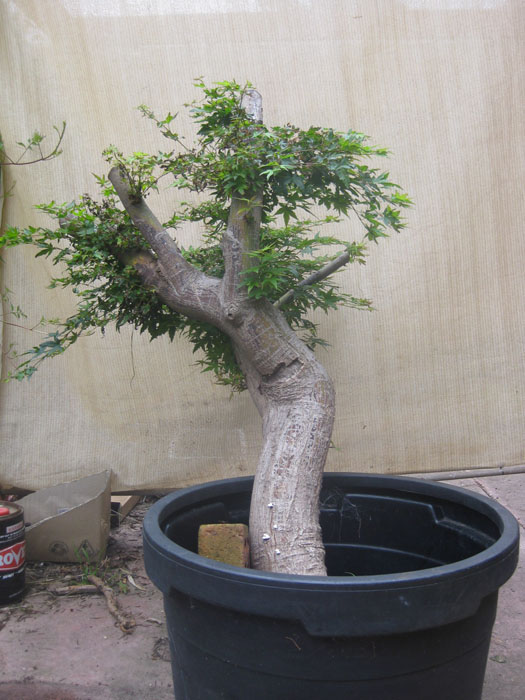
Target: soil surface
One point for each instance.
(70, 647)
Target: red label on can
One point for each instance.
(14, 528)
(13, 557)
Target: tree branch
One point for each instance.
(244, 221)
(148, 224)
(146, 264)
(182, 286)
(240, 238)
(252, 103)
(316, 276)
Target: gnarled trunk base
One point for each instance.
(297, 405)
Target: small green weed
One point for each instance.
(101, 568)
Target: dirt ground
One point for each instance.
(71, 647)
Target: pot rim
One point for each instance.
(505, 546)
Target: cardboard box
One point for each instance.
(68, 522)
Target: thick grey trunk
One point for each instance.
(295, 397)
(284, 518)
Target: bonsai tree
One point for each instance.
(262, 196)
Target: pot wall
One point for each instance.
(379, 632)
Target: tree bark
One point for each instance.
(296, 400)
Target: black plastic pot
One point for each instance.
(405, 613)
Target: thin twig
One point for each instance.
(53, 154)
(75, 590)
(316, 276)
(125, 622)
(132, 358)
(25, 328)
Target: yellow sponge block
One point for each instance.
(225, 542)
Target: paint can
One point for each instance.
(12, 552)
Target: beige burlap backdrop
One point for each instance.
(432, 380)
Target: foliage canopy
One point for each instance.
(297, 172)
